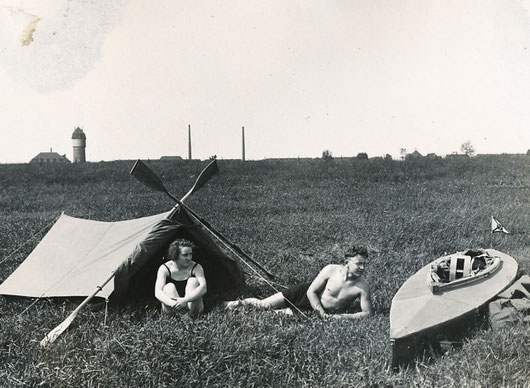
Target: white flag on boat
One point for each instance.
(496, 226)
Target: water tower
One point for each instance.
(79, 144)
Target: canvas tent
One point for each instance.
(78, 255)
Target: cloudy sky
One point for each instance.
(301, 76)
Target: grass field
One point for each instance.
(294, 217)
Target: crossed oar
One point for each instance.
(145, 175)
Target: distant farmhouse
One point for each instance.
(432, 155)
(418, 156)
(456, 156)
(49, 157)
(79, 145)
(169, 158)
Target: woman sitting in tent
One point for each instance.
(180, 282)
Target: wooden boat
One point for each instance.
(443, 291)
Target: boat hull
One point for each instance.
(416, 309)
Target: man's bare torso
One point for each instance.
(340, 292)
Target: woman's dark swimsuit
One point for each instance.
(180, 285)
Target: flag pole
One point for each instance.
(491, 232)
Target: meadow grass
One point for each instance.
(294, 217)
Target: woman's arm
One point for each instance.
(160, 282)
(198, 292)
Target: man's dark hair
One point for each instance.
(356, 250)
(173, 249)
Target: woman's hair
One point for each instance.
(356, 250)
(173, 249)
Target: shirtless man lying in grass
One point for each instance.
(333, 290)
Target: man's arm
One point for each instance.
(316, 287)
(366, 306)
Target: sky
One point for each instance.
(301, 76)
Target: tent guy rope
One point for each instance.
(150, 179)
(205, 175)
(147, 176)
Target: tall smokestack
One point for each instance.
(243, 142)
(189, 141)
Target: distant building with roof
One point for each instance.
(456, 156)
(432, 155)
(79, 144)
(169, 158)
(49, 157)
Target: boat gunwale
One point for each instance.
(439, 287)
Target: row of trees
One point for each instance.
(466, 148)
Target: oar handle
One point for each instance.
(55, 333)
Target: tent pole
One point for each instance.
(222, 238)
(204, 176)
(145, 175)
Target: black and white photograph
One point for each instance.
(264, 193)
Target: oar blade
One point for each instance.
(55, 333)
(145, 175)
(209, 171)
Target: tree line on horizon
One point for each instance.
(467, 149)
